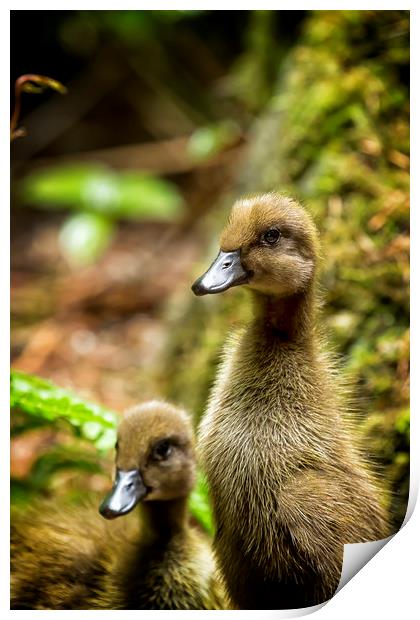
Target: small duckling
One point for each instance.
(288, 483)
(79, 561)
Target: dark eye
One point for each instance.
(271, 236)
(162, 450)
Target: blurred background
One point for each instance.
(121, 186)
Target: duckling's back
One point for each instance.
(58, 557)
(73, 559)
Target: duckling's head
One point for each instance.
(154, 460)
(269, 243)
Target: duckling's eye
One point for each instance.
(271, 236)
(162, 450)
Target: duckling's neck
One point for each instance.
(290, 319)
(163, 519)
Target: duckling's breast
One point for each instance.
(269, 415)
(179, 574)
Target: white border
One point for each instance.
(387, 587)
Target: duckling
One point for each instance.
(79, 561)
(288, 483)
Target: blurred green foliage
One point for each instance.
(199, 503)
(252, 78)
(94, 188)
(132, 27)
(84, 237)
(103, 197)
(336, 136)
(36, 402)
(206, 142)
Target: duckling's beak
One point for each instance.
(126, 493)
(226, 271)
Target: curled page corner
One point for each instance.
(356, 556)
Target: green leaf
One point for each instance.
(58, 459)
(43, 400)
(84, 237)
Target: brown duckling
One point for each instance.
(80, 561)
(288, 483)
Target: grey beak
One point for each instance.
(126, 493)
(226, 271)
